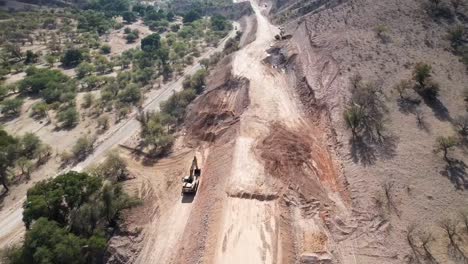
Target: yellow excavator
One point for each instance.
(190, 182)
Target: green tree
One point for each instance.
(353, 117)
(31, 57)
(72, 57)
(219, 23)
(69, 117)
(84, 69)
(421, 73)
(444, 145)
(131, 37)
(129, 17)
(30, 145)
(11, 107)
(39, 110)
(83, 147)
(8, 154)
(105, 49)
(131, 94)
(114, 168)
(191, 16)
(151, 43)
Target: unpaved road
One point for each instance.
(250, 228)
(11, 225)
(245, 229)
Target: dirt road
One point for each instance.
(250, 229)
(11, 226)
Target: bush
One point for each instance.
(30, 145)
(129, 17)
(151, 43)
(105, 49)
(38, 79)
(88, 100)
(68, 118)
(131, 94)
(114, 168)
(439, 9)
(39, 110)
(456, 36)
(31, 57)
(131, 37)
(11, 107)
(444, 144)
(427, 87)
(83, 147)
(366, 111)
(191, 16)
(84, 69)
(72, 57)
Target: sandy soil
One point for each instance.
(116, 39)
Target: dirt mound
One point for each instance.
(298, 161)
(218, 109)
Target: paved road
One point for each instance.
(11, 217)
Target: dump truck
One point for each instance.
(191, 181)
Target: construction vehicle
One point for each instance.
(281, 35)
(190, 182)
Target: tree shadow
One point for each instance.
(407, 106)
(366, 150)
(455, 171)
(438, 108)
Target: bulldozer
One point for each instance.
(191, 181)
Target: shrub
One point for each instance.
(191, 16)
(105, 49)
(354, 117)
(439, 9)
(445, 144)
(69, 117)
(72, 57)
(421, 73)
(456, 36)
(84, 69)
(11, 107)
(30, 145)
(151, 43)
(88, 100)
(131, 37)
(83, 147)
(114, 168)
(39, 110)
(131, 94)
(129, 17)
(31, 57)
(382, 33)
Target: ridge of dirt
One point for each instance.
(296, 159)
(217, 110)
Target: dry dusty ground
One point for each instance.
(339, 40)
(261, 200)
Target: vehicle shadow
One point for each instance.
(188, 197)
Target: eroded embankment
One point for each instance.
(212, 121)
(218, 109)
